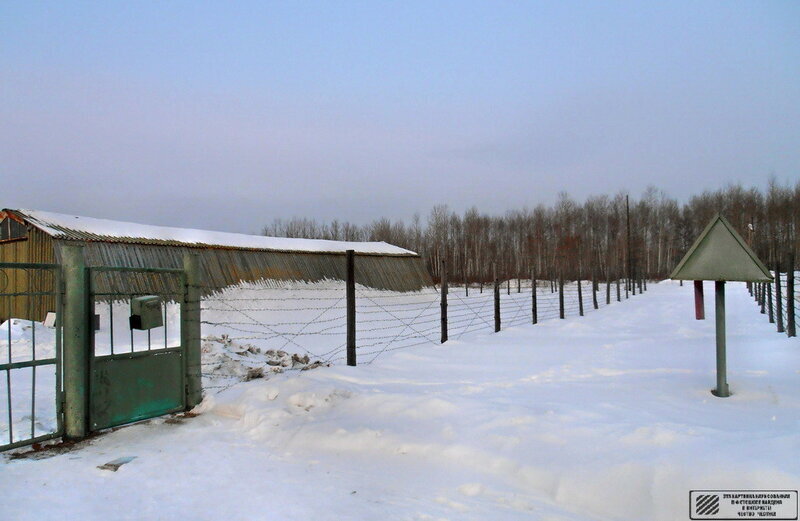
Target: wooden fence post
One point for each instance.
(778, 299)
(619, 294)
(496, 302)
(594, 291)
(790, 319)
(534, 311)
(608, 291)
(444, 301)
(763, 299)
(580, 297)
(350, 287)
(560, 296)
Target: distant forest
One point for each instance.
(577, 240)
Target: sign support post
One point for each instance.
(722, 372)
(719, 254)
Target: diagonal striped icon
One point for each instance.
(707, 504)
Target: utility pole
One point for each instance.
(628, 220)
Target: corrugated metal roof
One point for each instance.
(71, 227)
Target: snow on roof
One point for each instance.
(74, 227)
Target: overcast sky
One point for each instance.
(227, 115)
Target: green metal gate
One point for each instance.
(135, 374)
(31, 391)
(72, 361)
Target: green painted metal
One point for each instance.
(190, 329)
(135, 386)
(76, 339)
(29, 265)
(36, 273)
(146, 312)
(722, 375)
(28, 363)
(720, 254)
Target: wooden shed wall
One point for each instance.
(37, 248)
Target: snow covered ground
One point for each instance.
(608, 416)
(255, 329)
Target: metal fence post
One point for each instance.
(790, 319)
(778, 300)
(560, 297)
(769, 304)
(496, 303)
(580, 298)
(76, 342)
(722, 379)
(444, 300)
(190, 330)
(350, 289)
(534, 311)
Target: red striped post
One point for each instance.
(699, 303)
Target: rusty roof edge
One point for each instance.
(201, 246)
(66, 234)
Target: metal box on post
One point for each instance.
(146, 312)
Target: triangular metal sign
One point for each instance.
(721, 254)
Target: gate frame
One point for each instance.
(57, 361)
(79, 336)
(95, 360)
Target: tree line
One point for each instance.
(606, 236)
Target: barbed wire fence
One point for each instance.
(778, 299)
(255, 329)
